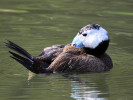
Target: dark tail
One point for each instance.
(23, 57)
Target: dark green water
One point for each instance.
(35, 24)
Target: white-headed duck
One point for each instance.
(86, 53)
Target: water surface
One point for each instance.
(35, 24)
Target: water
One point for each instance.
(35, 24)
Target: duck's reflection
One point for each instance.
(89, 88)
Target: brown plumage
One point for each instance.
(61, 58)
(74, 59)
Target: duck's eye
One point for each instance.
(84, 34)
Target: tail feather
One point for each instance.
(23, 57)
(24, 64)
(26, 60)
(18, 49)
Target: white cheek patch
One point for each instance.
(94, 37)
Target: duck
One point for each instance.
(86, 53)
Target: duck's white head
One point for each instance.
(91, 36)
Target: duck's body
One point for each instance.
(74, 59)
(79, 57)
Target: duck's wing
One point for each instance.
(76, 63)
(72, 62)
(50, 53)
(42, 62)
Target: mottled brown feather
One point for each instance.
(50, 53)
(74, 59)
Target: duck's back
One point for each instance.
(74, 59)
(49, 54)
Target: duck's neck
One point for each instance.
(99, 50)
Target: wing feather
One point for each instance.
(66, 62)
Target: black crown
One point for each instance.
(93, 26)
(89, 27)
